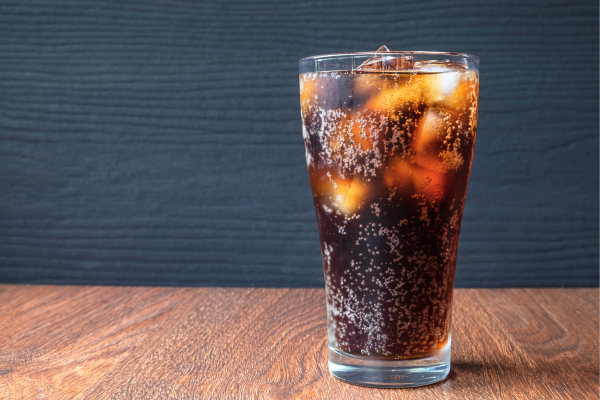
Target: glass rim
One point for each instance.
(379, 53)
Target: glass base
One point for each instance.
(390, 374)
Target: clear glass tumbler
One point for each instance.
(389, 140)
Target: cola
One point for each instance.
(389, 145)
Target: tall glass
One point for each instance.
(389, 140)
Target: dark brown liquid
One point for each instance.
(389, 156)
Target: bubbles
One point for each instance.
(388, 156)
(376, 210)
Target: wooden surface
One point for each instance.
(166, 343)
(159, 142)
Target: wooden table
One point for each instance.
(66, 342)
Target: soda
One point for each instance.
(389, 147)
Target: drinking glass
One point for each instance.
(389, 140)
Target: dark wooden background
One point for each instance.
(159, 142)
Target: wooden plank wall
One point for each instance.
(159, 142)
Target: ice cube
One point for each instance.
(310, 88)
(398, 174)
(437, 126)
(438, 143)
(454, 89)
(440, 80)
(387, 62)
(411, 178)
(464, 97)
(349, 195)
(407, 94)
(344, 194)
(438, 88)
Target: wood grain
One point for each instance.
(159, 142)
(61, 342)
